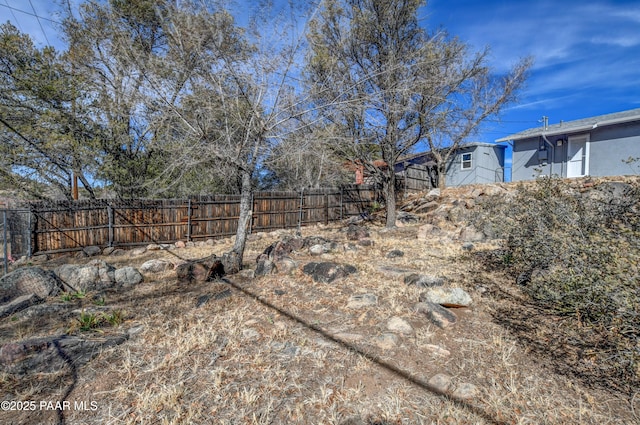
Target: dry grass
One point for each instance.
(303, 357)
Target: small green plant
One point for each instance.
(115, 318)
(88, 321)
(70, 296)
(99, 301)
(91, 321)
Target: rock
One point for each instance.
(394, 271)
(52, 353)
(362, 300)
(426, 207)
(314, 240)
(286, 265)
(247, 273)
(287, 349)
(190, 244)
(467, 246)
(18, 304)
(138, 251)
(387, 341)
(92, 251)
(153, 247)
(447, 297)
(327, 272)
(108, 250)
(365, 242)
(250, 333)
(210, 242)
(27, 281)
(317, 250)
(395, 253)
(283, 248)
(48, 309)
(156, 266)
(202, 270)
(180, 244)
(128, 276)
(41, 258)
(95, 276)
(423, 280)
(404, 218)
(80, 255)
(118, 252)
(471, 234)
(437, 350)
(398, 324)
(440, 382)
(438, 315)
(265, 267)
(426, 231)
(356, 233)
(466, 391)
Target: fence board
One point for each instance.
(69, 226)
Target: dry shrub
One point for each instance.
(575, 253)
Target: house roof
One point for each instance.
(577, 125)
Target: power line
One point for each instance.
(13, 14)
(39, 23)
(29, 13)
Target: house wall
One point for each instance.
(608, 147)
(487, 166)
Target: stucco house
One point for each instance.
(596, 146)
(471, 163)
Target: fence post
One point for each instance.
(326, 208)
(300, 212)
(4, 237)
(253, 206)
(30, 235)
(110, 225)
(189, 220)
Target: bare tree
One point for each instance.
(387, 84)
(239, 96)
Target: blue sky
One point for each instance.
(587, 53)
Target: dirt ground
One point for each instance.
(284, 349)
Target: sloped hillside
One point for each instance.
(343, 324)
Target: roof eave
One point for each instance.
(567, 130)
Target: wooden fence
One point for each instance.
(69, 226)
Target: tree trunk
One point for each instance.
(234, 262)
(442, 177)
(389, 189)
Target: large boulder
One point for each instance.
(202, 270)
(282, 248)
(18, 304)
(423, 280)
(26, 281)
(52, 353)
(356, 233)
(97, 275)
(128, 276)
(156, 266)
(447, 297)
(437, 314)
(327, 272)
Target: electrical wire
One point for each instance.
(39, 23)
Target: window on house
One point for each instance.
(466, 161)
